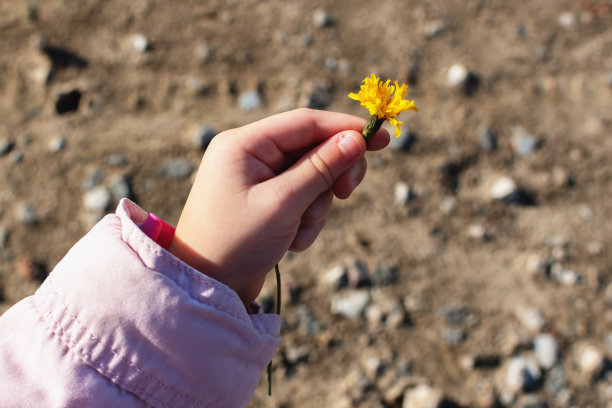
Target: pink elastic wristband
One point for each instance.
(158, 230)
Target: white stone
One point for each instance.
(403, 194)
(336, 276)
(448, 205)
(321, 18)
(590, 360)
(522, 374)
(422, 396)
(140, 43)
(433, 28)
(567, 20)
(476, 232)
(456, 76)
(530, 318)
(57, 144)
(97, 199)
(249, 101)
(546, 350)
(350, 304)
(503, 188)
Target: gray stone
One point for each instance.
(16, 156)
(116, 159)
(331, 64)
(452, 336)
(434, 28)
(422, 396)
(358, 274)
(5, 146)
(201, 135)
(320, 97)
(385, 274)
(523, 143)
(307, 324)
(448, 205)
(454, 315)
(94, 178)
(120, 187)
(522, 374)
(350, 304)
(487, 139)
(177, 169)
(546, 350)
(249, 101)
(321, 19)
(26, 214)
(98, 199)
(555, 381)
(404, 142)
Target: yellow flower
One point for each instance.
(383, 100)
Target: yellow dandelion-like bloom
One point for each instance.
(384, 102)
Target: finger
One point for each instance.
(270, 139)
(305, 236)
(379, 141)
(317, 171)
(318, 209)
(348, 181)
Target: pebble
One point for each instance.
(358, 274)
(522, 374)
(57, 144)
(350, 304)
(385, 274)
(523, 143)
(322, 19)
(140, 43)
(337, 277)
(477, 232)
(331, 64)
(120, 187)
(422, 396)
(177, 169)
(564, 276)
(116, 159)
(531, 401)
(454, 315)
(452, 336)
(201, 135)
(504, 189)
(307, 324)
(448, 205)
(320, 97)
(16, 156)
(26, 214)
(555, 381)
(296, 354)
(249, 101)
(546, 350)
(457, 76)
(204, 53)
(487, 139)
(94, 178)
(5, 146)
(433, 28)
(403, 194)
(404, 142)
(196, 86)
(567, 20)
(529, 318)
(537, 265)
(590, 360)
(97, 199)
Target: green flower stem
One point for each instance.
(372, 126)
(278, 310)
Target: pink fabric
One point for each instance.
(120, 322)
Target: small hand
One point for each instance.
(266, 188)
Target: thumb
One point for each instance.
(318, 170)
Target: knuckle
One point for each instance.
(322, 169)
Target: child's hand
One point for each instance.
(266, 188)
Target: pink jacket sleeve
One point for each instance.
(120, 322)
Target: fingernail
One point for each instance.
(349, 146)
(356, 174)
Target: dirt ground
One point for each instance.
(82, 95)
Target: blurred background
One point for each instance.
(472, 266)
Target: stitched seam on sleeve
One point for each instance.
(194, 275)
(57, 328)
